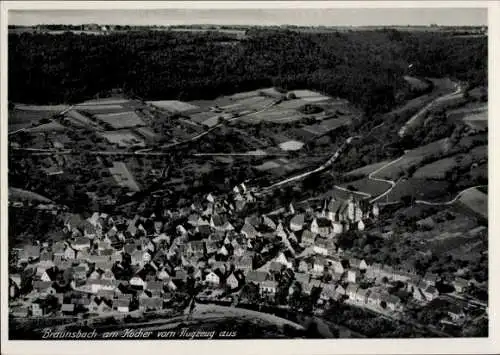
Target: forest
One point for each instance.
(365, 67)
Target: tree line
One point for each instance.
(366, 67)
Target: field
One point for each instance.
(326, 126)
(18, 119)
(16, 194)
(122, 176)
(203, 116)
(438, 169)
(101, 109)
(147, 133)
(416, 83)
(373, 188)
(412, 158)
(367, 169)
(421, 189)
(47, 127)
(476, 201)
(106, 101)
(274, 115)
(79, 119)
(123, 139)
(121, 119)
(309, 96)
(291, 145)
(292, 104)
(173, 105)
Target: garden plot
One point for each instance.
(101, 109)
(291, 145)
(373, 188)
(476, 201)
(121, 119)
(438, 169)
(47, 127)
(123, 139)
(106, 101)
(275, 115)
(367, 169)
(173, 105)
(310, 96)
(203, 116)
(123, 177)
(23, 118)
(413, 158)
(420, 189)
(292, 104)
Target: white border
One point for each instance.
(352, 346)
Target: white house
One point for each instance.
(212, 278)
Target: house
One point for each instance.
(297, 222)
(374, 270)
(320, 247)
(340, 290)
(269, 223)
(351, 291)
(307, 287)
(137, 282)
(151, 304)
(249, 231)
(245, 263)
(37, 309)
(307, 238)
(81, 243)
(373, 299)
(140, 257)
(456, 313)
(430, 279)
(108, 275)
(337, 266)
(198, 248)
(328, 291)
(353, 275)
(460, 284)
(281, 259)
(223, 251)
(430, 293)
(321, 226)
(233, 281)
(303, 266)
(393, 302)
(212, 279)
(68, 308)
(121, 305)
(30, 253)
(362, 296)
(318, 265)
(257, 276)
(79, 273)
(268, 288)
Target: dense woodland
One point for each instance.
(365, 67)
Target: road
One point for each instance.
(321, 168)
(424, 110)
(447, 203)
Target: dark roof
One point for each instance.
(298, 219)
(249, 230)
(257, 276)
(323, 222)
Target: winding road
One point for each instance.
(447, 203)
(424, 110)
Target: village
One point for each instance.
(107, 265)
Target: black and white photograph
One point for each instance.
(246, 173)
